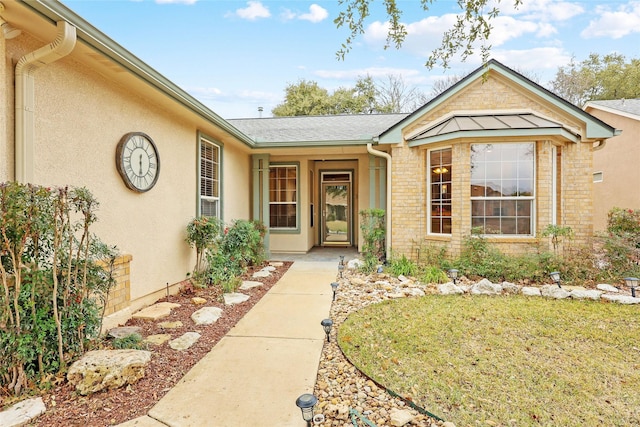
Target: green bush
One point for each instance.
(402, 266)
(133, 341)
(203, 233)
(372, 224)
(241, 245)
(55, 276)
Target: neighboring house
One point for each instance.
(616, 175)
(495, 151)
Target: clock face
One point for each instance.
(137, 161)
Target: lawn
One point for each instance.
(503, 361)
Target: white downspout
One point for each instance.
(25, 99)
(387, 156)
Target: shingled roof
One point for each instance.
(352, 128)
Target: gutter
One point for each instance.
(386, 156)
(63, 45)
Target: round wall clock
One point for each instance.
(137, 161)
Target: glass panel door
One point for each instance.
(336, 213)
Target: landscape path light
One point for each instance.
(334, 288)
(632, 283)
(453, 274)
(340, 269)
(555, 276)
(341, 259)
(306, 403)
(326, 325)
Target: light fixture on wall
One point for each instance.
(8, 31)
(440, 170)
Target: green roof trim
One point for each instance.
(497, 133)
(595, 128)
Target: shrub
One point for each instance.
(372, 224)
(203, 233)
(133, 341)
(53, 279)
(241, 245)
(402, 266)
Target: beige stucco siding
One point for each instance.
(80, 116)
(618, 161)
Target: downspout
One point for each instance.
(25, 98)
(387, 156)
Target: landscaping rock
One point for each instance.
(400, 417)
(198, 300)
(235, 298)
(621, 299)
(414, 292)
(157, 339)
(107, 369)
(531, 291)
(553, 291)
(354, 264)
(249, 284)
(485, 287)
(261, 273)
(185, 341)
(206, 315)
(156, 311)
(449, 289)
(22, 413)
(607, 288)
(510, 288)
(124, 331)
(586, 294)
(276, 263)
(356, 281)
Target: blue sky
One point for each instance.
(236, 56)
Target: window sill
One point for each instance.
(438, 237)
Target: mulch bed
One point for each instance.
(67, 408)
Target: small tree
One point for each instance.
(372, 224)
(203, 233)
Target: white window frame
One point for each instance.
(429, 184)
(532, 198)
(216, 188)
(296, 203)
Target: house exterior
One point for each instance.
(495, 151)
(616, 176)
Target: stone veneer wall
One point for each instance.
(120, 294)
(409, 168)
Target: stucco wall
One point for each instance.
(80, 116)
(618, 161)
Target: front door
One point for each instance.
(336, 209)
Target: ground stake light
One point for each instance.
(453, 274)
(555, 276)
(632, 282)
(334, 287)
(326, 325)
(341, 259)
(340, 269)
(306, 402)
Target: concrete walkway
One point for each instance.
(255, 373)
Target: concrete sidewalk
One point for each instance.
(255, 373)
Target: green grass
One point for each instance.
(337, 226)
(510, 361)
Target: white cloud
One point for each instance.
(617, 23)
(506, 28)
(316, 14)
(409, 75)
(254, 10)
(542, 61)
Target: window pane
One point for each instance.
(209, 179)
(503, 195)
(283, 196)
(439, 210)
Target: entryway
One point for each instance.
(337, 211)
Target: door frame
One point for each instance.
(350, 198)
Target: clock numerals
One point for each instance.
(137, 161)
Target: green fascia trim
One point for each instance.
(94, 38)
(502, 133)
(307, 144)
(595, 127)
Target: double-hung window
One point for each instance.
(502, 188)
(210, 155)
(440, 191)
(283, 197)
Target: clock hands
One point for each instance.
(140, 164)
